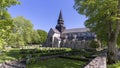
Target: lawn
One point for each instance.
(9, 55)
(117, 65)
(15, 53)
(57, 63)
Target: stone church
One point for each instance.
(71, 38)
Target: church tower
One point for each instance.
(60, 23)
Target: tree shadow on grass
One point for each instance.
(14, 53)
(10, 55)
(19, 53)
(57, 63)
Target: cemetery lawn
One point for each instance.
(57, 63)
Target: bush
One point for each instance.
(94, 44)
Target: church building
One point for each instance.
(62, 37)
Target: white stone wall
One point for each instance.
(52, 39)
(56, 40)
(98, 62)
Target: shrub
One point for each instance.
(94, 44)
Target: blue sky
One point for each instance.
(44, 13)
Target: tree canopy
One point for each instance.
(103, 19)
(21, 33)
(4, 5)
(43, 35)
(17, 31)
(5, 21)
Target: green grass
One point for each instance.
(9, 55)
(117, 65)
(14, 53)
(57, 63)
(4, 58)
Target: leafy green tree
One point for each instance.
(104, 19)
(5, 21)
(43, 35)
(5, 30)
(4, 5)
(22, 31)
(24, 34)
(35, 37)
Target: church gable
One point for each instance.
(53, 31)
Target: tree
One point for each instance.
(35, 37)
(4, 5)
(22, 31)
(24, 34)
(104, 19)
(5, 30)
(5, 21)
(43, 35)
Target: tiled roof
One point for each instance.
(74, 30)
(56, 31)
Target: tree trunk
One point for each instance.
(112, 44)
(112, 40)
(112, 51)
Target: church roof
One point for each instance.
(56, 31)
(74, 30)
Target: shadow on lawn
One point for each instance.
(14, 54)
(57, 63)
(50, 63)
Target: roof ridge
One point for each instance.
(77, 28)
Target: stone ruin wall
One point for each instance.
(75, 44)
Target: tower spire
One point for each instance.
(60, 19)
(60, 16)
(60, 23)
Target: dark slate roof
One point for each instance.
(56, 31)
(60, 16)
(74, 30)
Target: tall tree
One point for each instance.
(43, 35)
(104, 19)
(22, 31)
(5, 30)
(5, 21)
(4, 5)
(35, 37)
